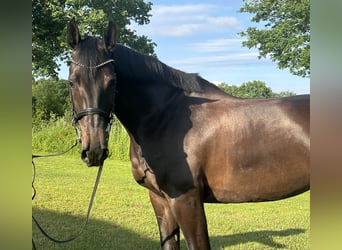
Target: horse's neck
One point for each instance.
(142, 94)
(129, 63)
(138, 110)
(139, 99)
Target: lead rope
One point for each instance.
(90, 202)
(76, 117)
(78, 140)
(87, 217)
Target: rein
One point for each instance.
(78, 116)
(89, 206)
(87, 217)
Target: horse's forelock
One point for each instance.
(89, 55)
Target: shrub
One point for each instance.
(53, 136)
(57, 134)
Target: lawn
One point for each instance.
(122, 216)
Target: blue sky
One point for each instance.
(201, 37)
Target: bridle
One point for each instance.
(92, 111)
(93, 66)
(108, 116)
(76, 117)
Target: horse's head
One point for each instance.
(92, 88)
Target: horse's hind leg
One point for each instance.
(168, 227)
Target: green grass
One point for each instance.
(58, 134)
(122, 216)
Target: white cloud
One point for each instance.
(217, 45)
(187, 20)
(224, 22)
(180, 10)
(218, 62)
(180, 30)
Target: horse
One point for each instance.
(190, 143)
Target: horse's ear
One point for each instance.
(73, 34)
(110, 36)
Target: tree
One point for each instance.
(50, 17)
(50, 97)
(286, 37)
(254, 89)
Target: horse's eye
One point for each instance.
(71, 84)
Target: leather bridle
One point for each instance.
(108, 116)
(93, 66)
(92, 111)
(76, 117)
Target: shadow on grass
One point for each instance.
(264, 237)
(97, 234)
(105, 235)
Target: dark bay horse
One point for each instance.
(190, 142)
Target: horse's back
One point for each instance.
(297, 108)
(252, 150)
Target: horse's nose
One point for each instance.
(94, 157)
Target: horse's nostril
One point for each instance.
(105, 153)
(94, 157)
(84, 154)
(84, 157)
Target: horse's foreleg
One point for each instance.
(189, 212)
(168, 227)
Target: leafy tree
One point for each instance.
(229, 89)
(284, 93)
(50, 17)
(286, 34)
(254, 89)
(50, 97)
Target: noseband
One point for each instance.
(92, 111)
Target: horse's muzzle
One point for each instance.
(94, 157)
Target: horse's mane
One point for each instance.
(149, 67)
(135, 64)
